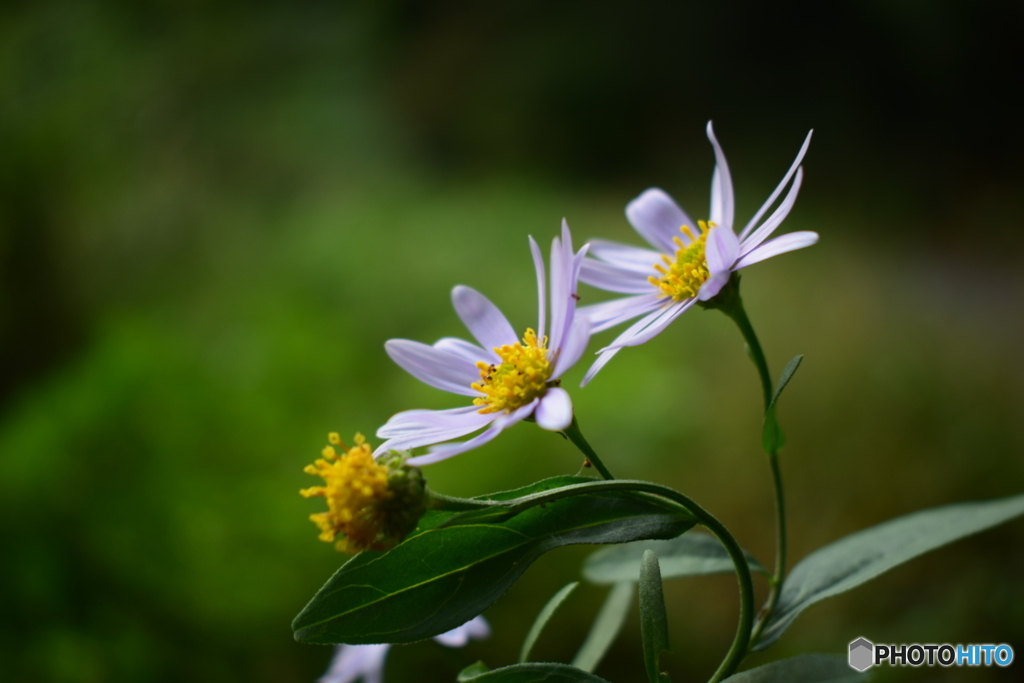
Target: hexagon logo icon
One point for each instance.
(862, 654)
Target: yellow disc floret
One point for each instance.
(356, 488)
(521, 376)
(682, 276)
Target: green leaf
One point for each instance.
(547, 672)
(862, 556)
(473, 670)
(440, 577)
(772, 438)
(542, 619)
(551, 483)
(692, 554)
(607, 626)
(802, 669)
(653, 620)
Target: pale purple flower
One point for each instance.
(508, 379)
(691, 261)
(354, 662)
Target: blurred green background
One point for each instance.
(213, 214)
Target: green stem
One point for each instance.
(440, 501)
(730, 303)
(573, 433)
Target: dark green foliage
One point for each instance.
(528, 673)
(692, 554)
(802, 669)
(442, 576)
(860, 557)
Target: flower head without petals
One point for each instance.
(691, 261)
(508, 378)
(372, 503)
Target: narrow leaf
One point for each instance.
(692, 554)
(472, 671)
(772, 438)
(547, 672)
(607, 625)
(653, 620)
(802, 669)
(862, 556)
(440, 577)
(787, 374)
(551, 483)
(542, 619)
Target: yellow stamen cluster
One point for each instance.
(682, 276)
(356, 487)
(521, 376)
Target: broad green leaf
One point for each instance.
(607, 625)
(532, 672)
(802, 669)
(440, 577)
(692, 554)
(653, 620)
(862, 556)
(772, 438)
(542, 619)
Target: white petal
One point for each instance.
(413, 420)
(723, 204)
(636, 328)
(565, 269)
(574, 286)
(713, 285)
(608, 314)
(352, 662)
(476, 628)
(437, 368)
(721, 250)
(656, 325)
(574, 346)
(614, 278)
(779, 245)
(657, 218)
(602, 360)
(775, 220)
(625, 256)
(554, 412)
(425, 435)
(465, 350)
(482, 318)
(439, 453)
(559, 297)
(785, 179)
(542, 296)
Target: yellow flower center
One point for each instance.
(521, 376)
(682, 276)
(355, 488)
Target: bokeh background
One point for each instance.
(212, 215)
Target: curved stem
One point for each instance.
(732, 305)
(741, 641)
(440, 501)
(573, 433)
